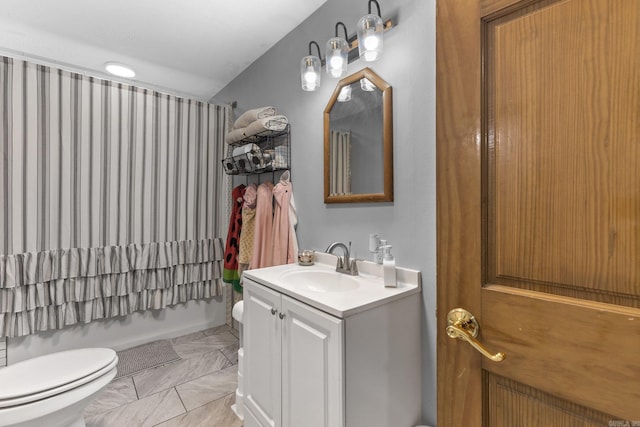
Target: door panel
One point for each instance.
(250, 420)
(538, 200)
(578, 350)
(534, 407)
(262, 354)
(563, 89)
(313, 386)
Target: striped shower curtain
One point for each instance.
(340, 160)
(108, 198)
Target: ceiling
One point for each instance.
(187, 47)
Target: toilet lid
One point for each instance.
(54, 373)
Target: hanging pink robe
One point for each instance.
(285, 243)
(263, 234)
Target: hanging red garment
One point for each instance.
(248, 228)
(230, 271)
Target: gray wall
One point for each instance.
(408, 65)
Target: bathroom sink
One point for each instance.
(337, 294)
(317, 280)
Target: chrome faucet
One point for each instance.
(344, 265)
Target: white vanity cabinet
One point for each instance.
(293, 362)
(330, 359)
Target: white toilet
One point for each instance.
(53, 390)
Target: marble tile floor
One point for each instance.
(197, 390)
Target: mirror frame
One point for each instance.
(387, 140)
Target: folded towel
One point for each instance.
(276, 123)
(234, 136)
(252, 115)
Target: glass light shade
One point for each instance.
(337, 57)
(345, 94)
(366, 85)
(370, 29)
(310, 73)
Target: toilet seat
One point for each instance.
(52, 374)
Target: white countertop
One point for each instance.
(368, 288)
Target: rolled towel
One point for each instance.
(252, 115)
(276, 123)
(234, 136)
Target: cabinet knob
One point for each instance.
(281, 315)
(274, 311)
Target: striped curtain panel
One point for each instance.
(340, 160)
(108, 198)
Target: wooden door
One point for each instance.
(538, 210)
(312, 367)
(262, 356)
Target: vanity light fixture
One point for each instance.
(341, 51)
(345, 94)
(310, 69)
(370, 29)
(337, 54)
(120, 70)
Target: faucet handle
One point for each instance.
(353, 266)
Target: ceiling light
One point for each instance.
(370, 29)
(337, 54)
(310, 70)
(119, 70)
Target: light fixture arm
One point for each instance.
(377, 5)
(317, 47)
(346, 36)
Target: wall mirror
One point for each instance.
(358, 141)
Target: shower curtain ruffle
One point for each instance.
(53, 289)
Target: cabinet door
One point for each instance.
(262, 353)
(312, 367)
(250, 420)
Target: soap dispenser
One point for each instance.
(388, 267)
(374, 247)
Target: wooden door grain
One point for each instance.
(538, 201)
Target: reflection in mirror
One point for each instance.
(358, 141)
(355, 152)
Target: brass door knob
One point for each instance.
(463, 325)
